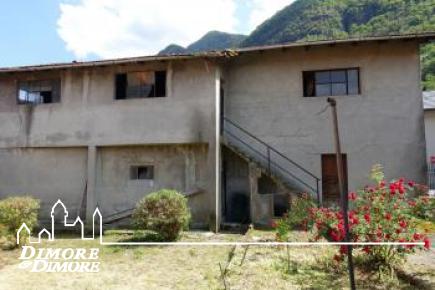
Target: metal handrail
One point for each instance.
(270, 147)
(272, 166)
(272, 163)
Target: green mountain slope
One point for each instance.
(216, 40)
(173, 49)
(333, 19)
(324, 19)
(213, 40)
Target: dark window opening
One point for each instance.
(331, 82)
(139, 85)
(39, 92)
(142, 172)
(281, 204)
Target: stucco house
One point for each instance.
(237, 131)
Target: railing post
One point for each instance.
(268, 160)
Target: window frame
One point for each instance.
(346, 70)
(135, 176)
(140, 71)
(17, 95)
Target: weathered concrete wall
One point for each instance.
(384, 124)
(182, 125)
(48, 174)
(429, 120)
(236, 188)
(182, 168)
(89, 114)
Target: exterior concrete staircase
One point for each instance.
(272, 162)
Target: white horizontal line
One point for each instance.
(270, 244)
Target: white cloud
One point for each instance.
(115, 28)
(262, 10)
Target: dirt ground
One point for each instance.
(203, 267)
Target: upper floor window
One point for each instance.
(39, 92)
(136, 85)
(331, 82)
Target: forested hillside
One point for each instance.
(213, 40)
(333, 19)
(320, 19)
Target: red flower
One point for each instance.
(343, 249)
(367, 217)
(335, 236)
(388, 216)
(382, 184)
(354, 221)
(352, 196)
(401, 189)
(366, 249)
(427, 243)
(417, 236)
(411, 183)
(403, 224)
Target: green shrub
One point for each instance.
(14, 211)
(424, 208)
(296, 218)
(164, 212)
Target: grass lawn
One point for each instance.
(202, 267)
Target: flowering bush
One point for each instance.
(379, 213)
(296, 218)
(423, 207)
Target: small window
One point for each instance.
(137, 85)
(331, 82)
(39, 92)
(142, 172)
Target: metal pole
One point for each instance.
(344, 199)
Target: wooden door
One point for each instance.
(330, 187)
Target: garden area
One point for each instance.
(398, 211)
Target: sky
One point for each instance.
(47, 31)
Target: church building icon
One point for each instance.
(59, 207)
